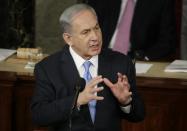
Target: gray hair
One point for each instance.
(67, 15)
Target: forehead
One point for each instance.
(84, 19)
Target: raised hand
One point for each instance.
(120, 89)
(89, 91)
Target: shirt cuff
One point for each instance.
(127, 108)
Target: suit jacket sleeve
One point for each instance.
(123, 64)
(46, 108)
(137, 112)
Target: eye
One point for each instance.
(97, 27)
(85, 32)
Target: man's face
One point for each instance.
(85, 36)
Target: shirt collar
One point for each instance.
(79, 60)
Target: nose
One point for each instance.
(94, 35)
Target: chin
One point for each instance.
(96, 53)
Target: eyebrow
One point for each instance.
(97, 24)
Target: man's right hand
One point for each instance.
(90, 91)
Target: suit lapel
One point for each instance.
(69, 71)
(70, 75)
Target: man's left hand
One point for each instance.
(120, 89)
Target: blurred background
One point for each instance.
(34, 23)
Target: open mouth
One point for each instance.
(94, 46)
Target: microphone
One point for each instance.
(79, 87)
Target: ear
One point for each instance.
(67, 38)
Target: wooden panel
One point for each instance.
(6, 85)
(165, 108)
(23, 93)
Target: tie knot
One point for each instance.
(87, 65)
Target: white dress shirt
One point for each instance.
(79, 61)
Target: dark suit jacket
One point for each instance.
(153, 26)
(56, 78)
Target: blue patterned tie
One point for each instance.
(87, 76)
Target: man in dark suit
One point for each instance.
(111, 83)
(152, 33)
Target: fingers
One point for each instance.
(98, 98)
(94, 92)
(88, 95)
(108, 83)
(95, 81)
(123, 80)
(90, 91)
(98, 89)
(120, 89)
(90, 87)
(122, 77)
